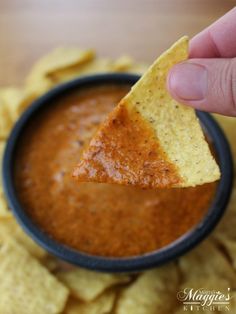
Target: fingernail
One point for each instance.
(188, 81)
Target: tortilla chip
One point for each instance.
(153, 292)
(4, 211)
(206, 262)
(224, 233)
(38, 80)
(101, 305)
(96, 66)
(56, 265)
(16, 101)
(123, 63)
(5, 121)
(226, 226)
(233, 302)
(12, 97)
(50, 262)
(38, 86)
(127, 64)
(138, 68)
(150, 140)
(25, 285)
(212, 283)
(87, 285)
(10, 228)
(61, 58)
(102, 65)
(228, 125)
(230, 247)
(13, 102)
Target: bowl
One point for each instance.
(127, 264)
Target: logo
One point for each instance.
(204, 300)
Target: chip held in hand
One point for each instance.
(150, 140)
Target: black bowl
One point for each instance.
(137, 263)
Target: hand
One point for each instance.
(207, 81)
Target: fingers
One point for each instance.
(205, 84)
(209, 84)
(218, 40)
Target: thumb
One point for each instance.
(205, 84)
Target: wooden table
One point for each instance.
(141, 28)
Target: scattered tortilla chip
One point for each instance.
(102, 65)
(50, 262)
(233, 302)
(150, 140)
(123, 63)
(87, 285)
(12, 97)
(10, 228)
(206, 262)
(25, 285)
(230, 247)
(228, 125)
(138, 68)
(232, 202)
(212, 283)
(224, 233)
(59, 59)
(4, 211)
(96, 66)
(153, 292)
(5, 121)
(101, 305)
(3, 205)
(27, 101)
(38, 86)
(127, 64)
(56, 265)
(16, 101)
(226, 226)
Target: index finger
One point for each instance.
(217, 40)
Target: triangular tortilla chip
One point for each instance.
(25, 285)
(150, 140)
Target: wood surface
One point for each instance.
(140, 28)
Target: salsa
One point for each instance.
(126, 151)
(99, 219)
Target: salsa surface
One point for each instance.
(100, 219)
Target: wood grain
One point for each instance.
(141, 28)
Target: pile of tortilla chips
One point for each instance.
(33, 282)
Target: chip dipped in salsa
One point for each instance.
(96, 218)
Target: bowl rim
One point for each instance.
(126, 264)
